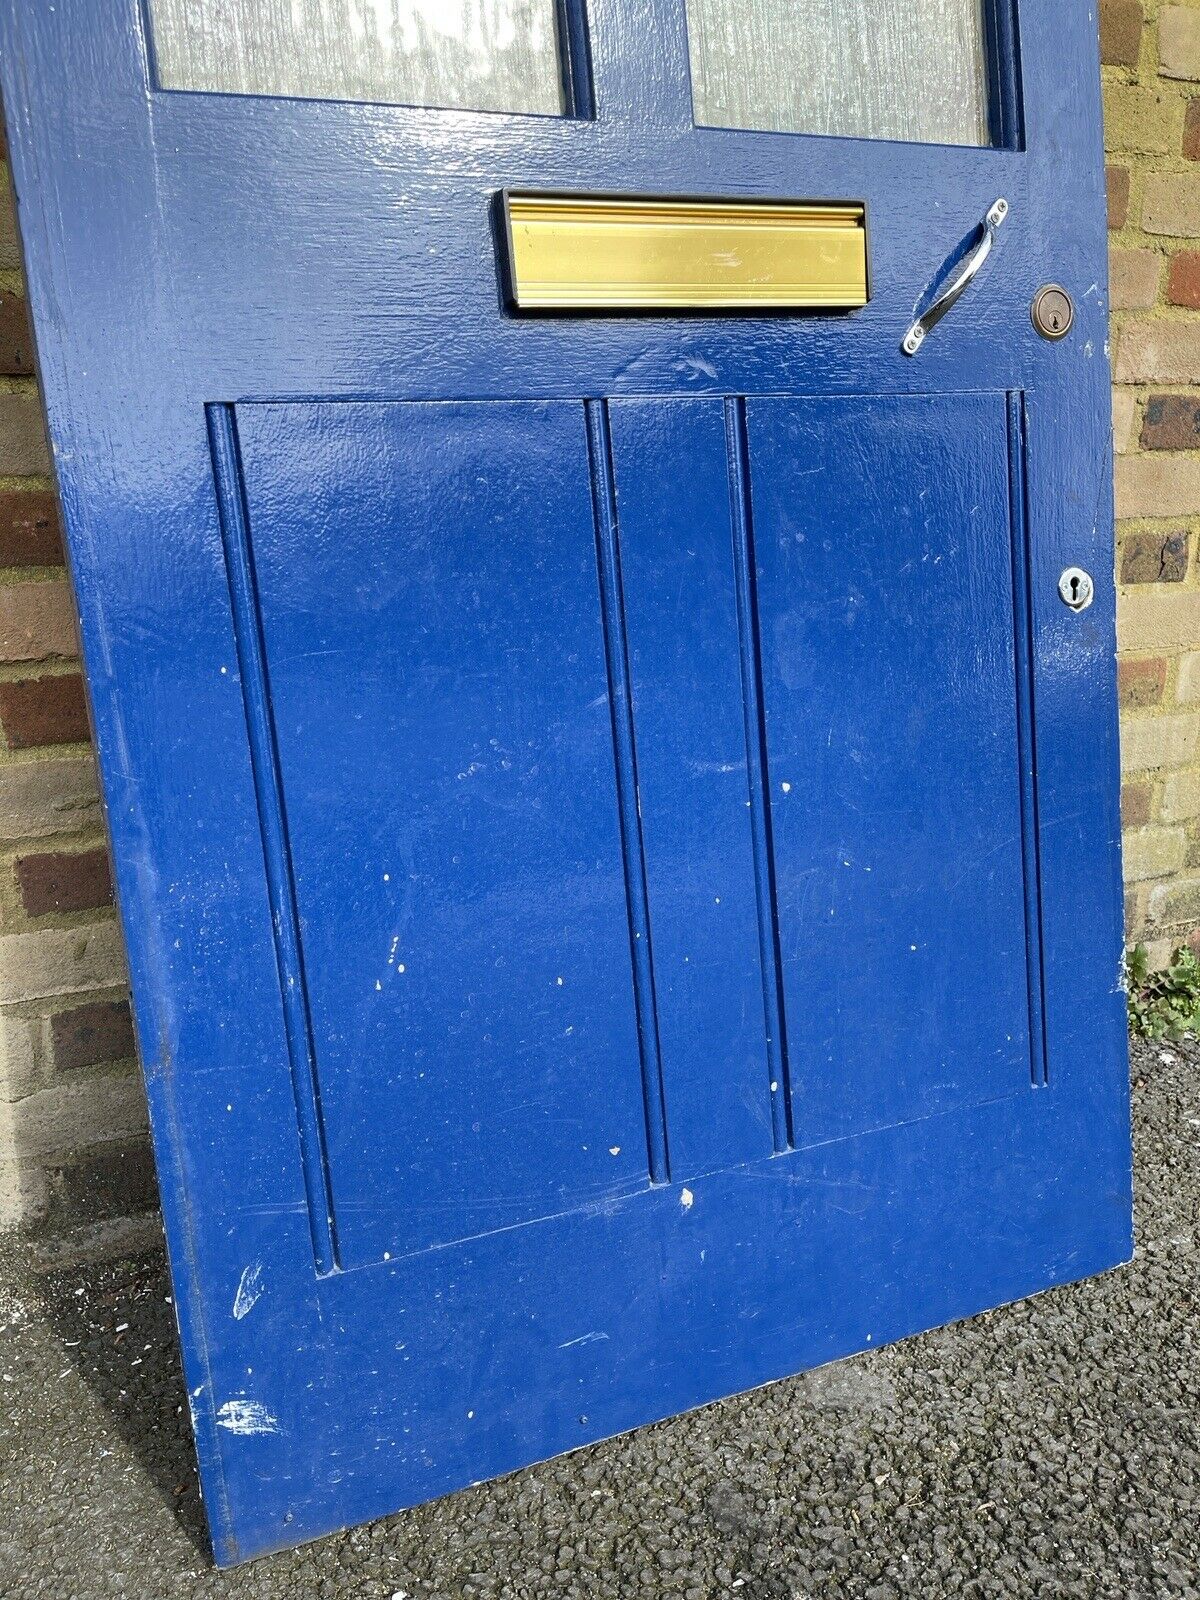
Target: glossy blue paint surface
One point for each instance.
(431, 616)
(424, 636)
(890, 658)
(693, 761)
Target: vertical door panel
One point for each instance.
(681, 619)
(886, 616)
(435, 657)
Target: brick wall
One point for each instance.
(1151, 70)
(72, 1116)
(72, 1120)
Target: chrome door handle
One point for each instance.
(915, 337)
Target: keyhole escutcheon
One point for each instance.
(1076, 589)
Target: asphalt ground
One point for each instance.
(1049, 1448)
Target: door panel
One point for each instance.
(435, 656)
(714, 967)
(887, 624)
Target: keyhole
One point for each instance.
(1075, 589)
(1052, 312)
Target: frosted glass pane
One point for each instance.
(870, 69)
(480, 55)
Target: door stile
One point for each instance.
(616, 651)
(1026, 741)
(771, 962)
(264, 758)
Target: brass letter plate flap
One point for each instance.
(609, 253)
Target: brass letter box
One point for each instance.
(616, 253)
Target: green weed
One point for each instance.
(1166, 1004)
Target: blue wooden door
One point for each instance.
(615, 826)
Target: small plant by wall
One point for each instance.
(1164, 1004)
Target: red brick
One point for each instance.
(29, 530)
(1141, 683)
(64, 880)
(102, 1183)
(1135, 804)
(1117, 179)
(1183, 279)
(87, 1035)
(16, 336)
(41, 711)
(1172, 422)
(1191, 131)
(1155, 557)
(1120, 32)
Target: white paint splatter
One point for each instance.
(614, 1149)
(246, 1416)
(249, 1291)
(695, 367)
(786, 787)
(686, 1199)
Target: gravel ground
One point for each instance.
(1050, 1448)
